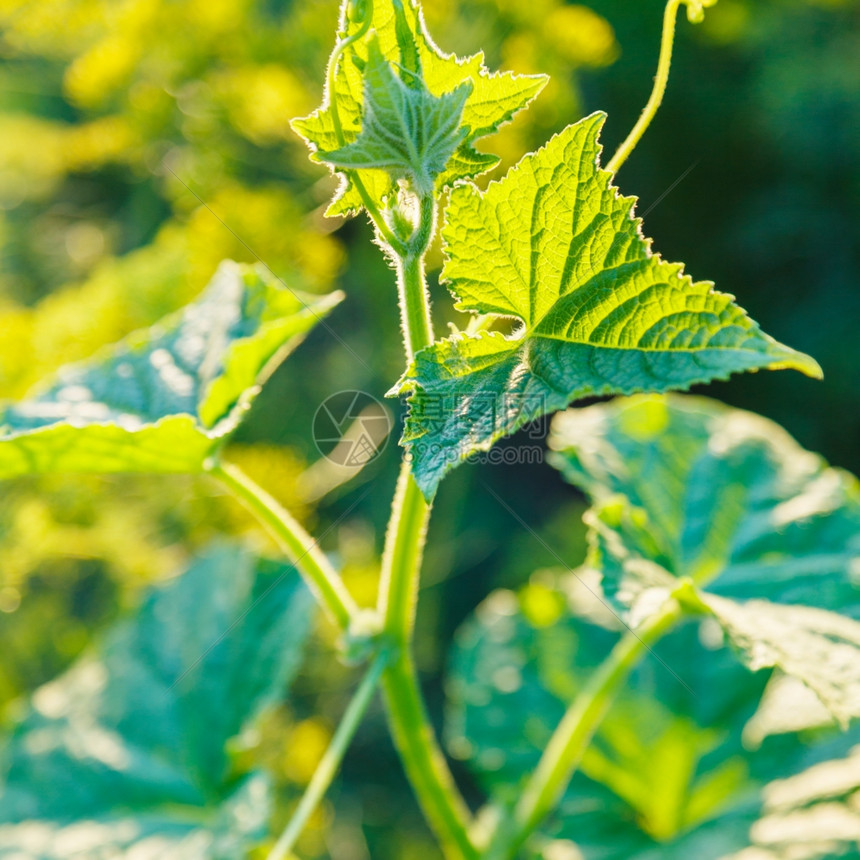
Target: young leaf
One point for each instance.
(555, 246)
(689, 491)
(405, 44)
(162, 399)
(128, 747)
(405, 129)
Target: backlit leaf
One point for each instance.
(666, 775)
(163, 398)
(765, 534)
(819, 648)
(669, 775)
(810, 816)
(405, 129)
(556, 247)
(404, 42)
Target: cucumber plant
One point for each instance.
(710, 531)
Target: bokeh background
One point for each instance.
(142, 141)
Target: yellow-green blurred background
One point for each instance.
(142, 141)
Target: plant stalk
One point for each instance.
(401, 561)
(411, 730)
(331, 760)
(423, 760)
(414, 303)
(664, 63)
(574, 733)
(296, 543)
(413, 735)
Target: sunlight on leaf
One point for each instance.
(723, 503)
(162, 399)
(554, 246)
(405, 129)
(404, 42)
(665, 775)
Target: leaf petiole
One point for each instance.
(330, 762)
(297, 544)
(575, 731)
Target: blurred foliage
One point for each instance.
(125, 753)
(142, 141)
(671, 773)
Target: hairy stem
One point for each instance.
(670, 17)
(413, 735)
(331, 760)
(574, 733)
(401, 562)
(415, 319)
(414, 304)
(296, 543)
(411, 730)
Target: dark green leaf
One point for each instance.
(666, 775)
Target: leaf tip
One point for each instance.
(793, 360)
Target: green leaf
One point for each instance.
(811, 815)
(162, 399)
(669, 775)
(666, 775)
(127, 749)
(787, 705)
(405, 129)
(405, 44)
(719, 496)
(691, 493)
(555, 246)
(819, 648)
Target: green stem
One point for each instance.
(575, 731)
(414, 298)
(423, 760)
(331, 760)
(413, 735)
(401, 562)
(414, 304)
(411, 730)
(670, 17)
(296, 543)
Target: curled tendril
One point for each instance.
(357, 11)
(696, 10)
